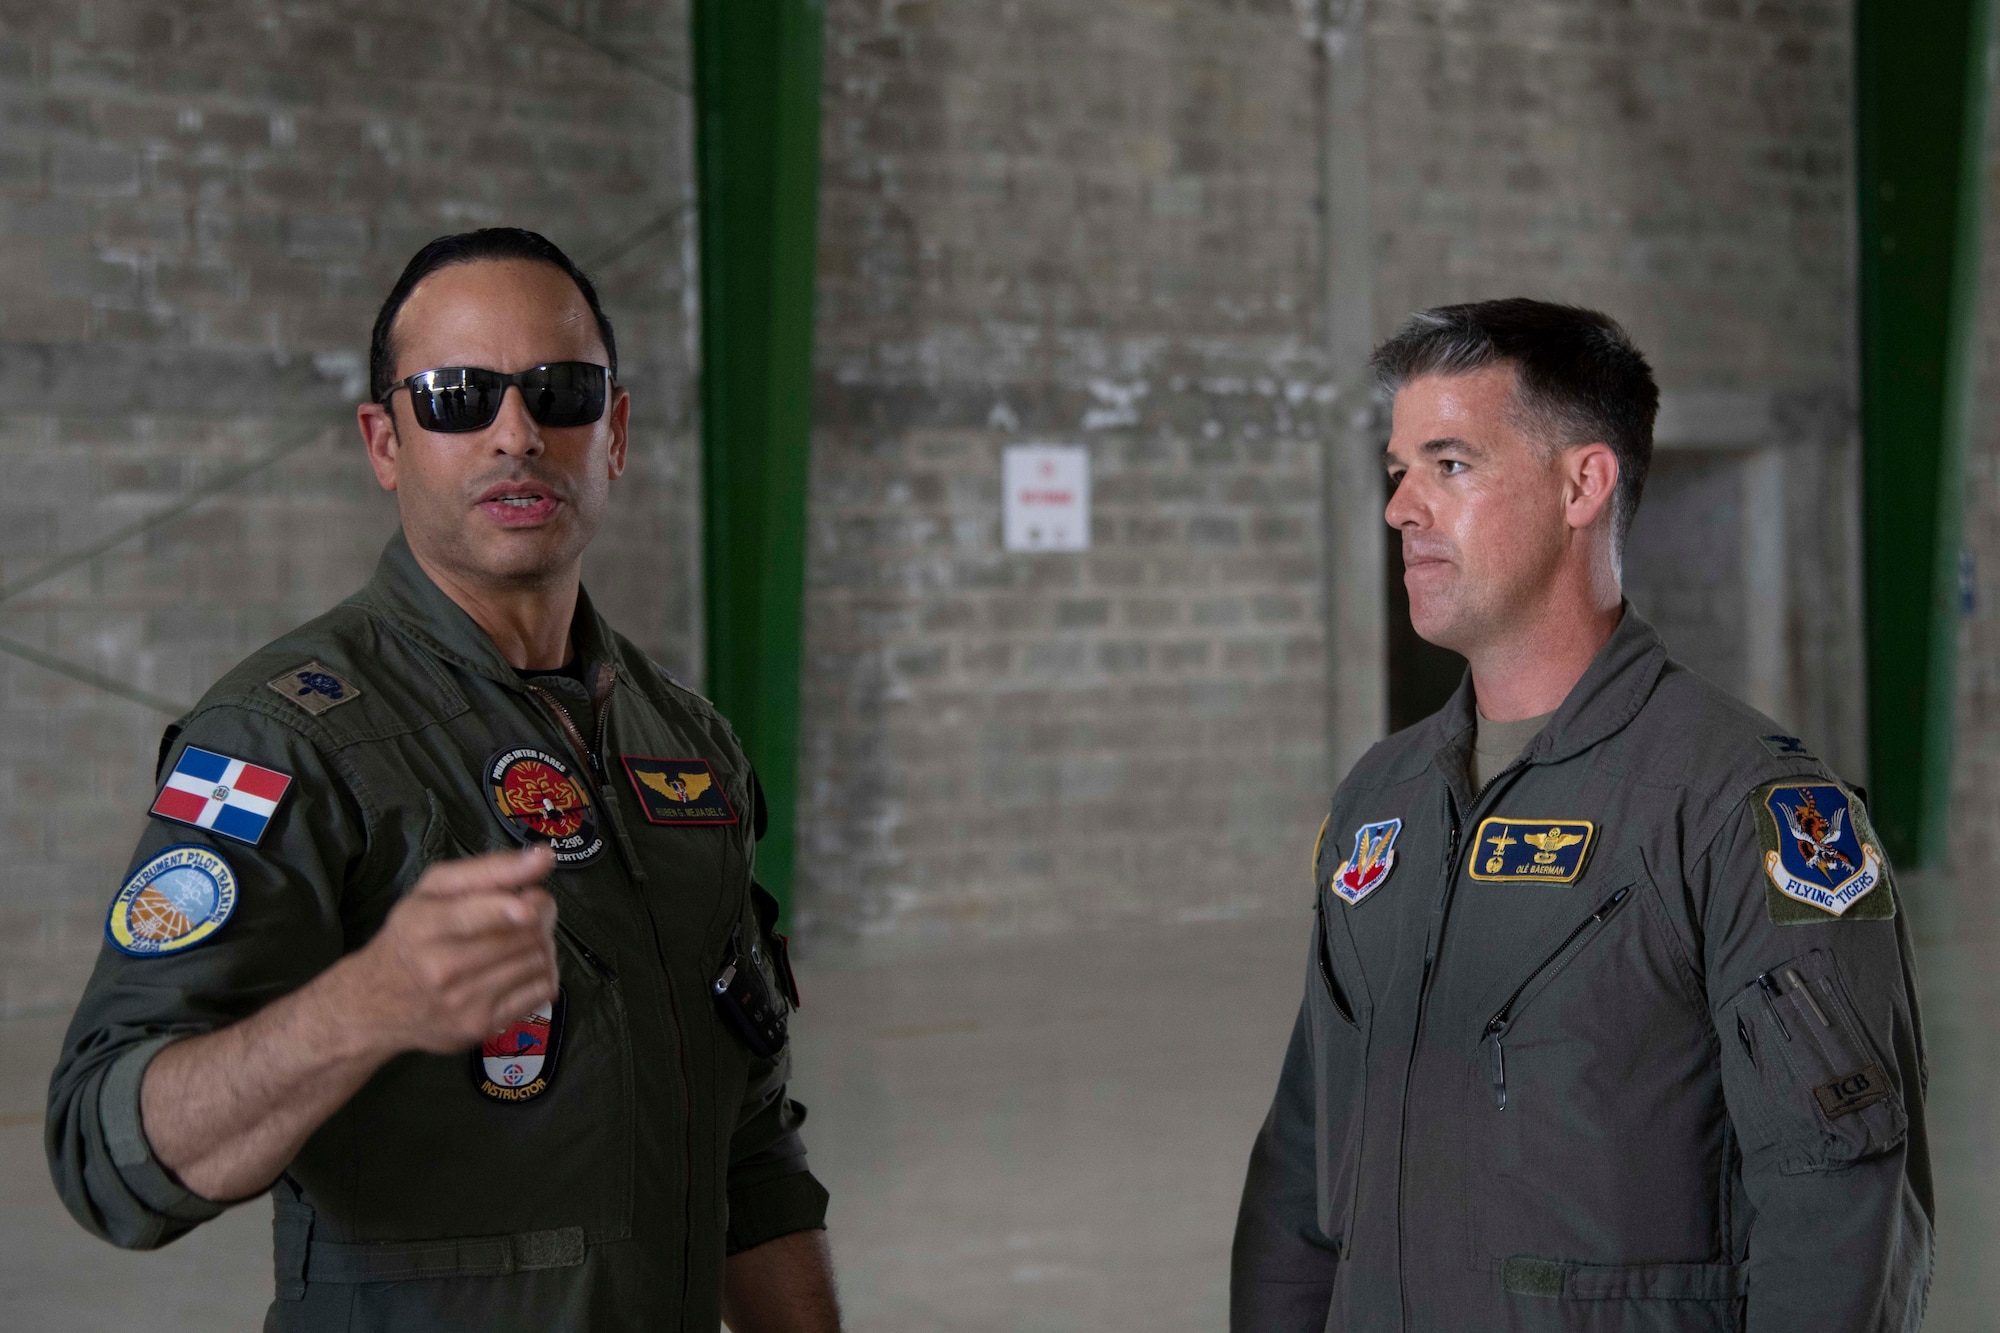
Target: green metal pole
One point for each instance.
(756, 88)
(1920, 112)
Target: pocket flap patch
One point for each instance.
(1852, 1092)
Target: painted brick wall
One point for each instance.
(201, 205)
(1087, 224)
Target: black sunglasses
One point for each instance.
(456, 399)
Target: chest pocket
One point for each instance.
(1803, 1076)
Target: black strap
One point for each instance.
(465, 1256)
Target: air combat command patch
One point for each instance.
(179, 898)
(678, 791)
(1369, 864)
(1821, 857)
(538, 800)
(1521, 851)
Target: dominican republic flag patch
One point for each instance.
(229, 796)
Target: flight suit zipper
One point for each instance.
(1496, 1026)
(593, 762)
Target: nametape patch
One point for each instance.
(678, 791)
(516, 1063)
(233, 797)
(1367, 867)
(1820, 855)
(1851, 1092)
(1517, 851)
(177, 899)
(315, 687)
(539, 800)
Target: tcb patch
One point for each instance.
(678, 791)
(516, 1063)
(1820, 855)
(1520, 851)
(179, 898)
(539, 800)
(1369, 864)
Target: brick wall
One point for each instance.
(200, 206)
(1084, 224)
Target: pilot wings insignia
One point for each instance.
(681, 787)
(1500, 851)
(678, 791)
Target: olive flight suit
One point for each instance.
(600, 1188)
(1570, 1058)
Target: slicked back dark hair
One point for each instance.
(1580, 378)
(471, 247)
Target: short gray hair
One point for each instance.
(1580, 377)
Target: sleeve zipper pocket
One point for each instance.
(1496, 1026)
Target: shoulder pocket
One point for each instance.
(1805, 1080)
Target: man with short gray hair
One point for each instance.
(1610, 1021)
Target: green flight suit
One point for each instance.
(658, 1145)
(1621, 1083)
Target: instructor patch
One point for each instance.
(1516, 851)
(176, 900)
(678, 791)
(539, 800)
(1820, 855)
(516, 1063)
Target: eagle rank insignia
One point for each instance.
(1373, 857)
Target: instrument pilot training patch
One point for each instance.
(678, 791)
(539, 800)
(180, 897)
(1821, 857)
(1522, 851)
(1369, 864)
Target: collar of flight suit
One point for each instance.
(1603, 701)
(402, 591)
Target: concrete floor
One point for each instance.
(1025, 1135)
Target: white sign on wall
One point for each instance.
(1047, 497)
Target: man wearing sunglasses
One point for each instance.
(443, 929)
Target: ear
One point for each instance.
(621, 419)
(379, 438)
(1590, 482)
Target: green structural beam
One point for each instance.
(756, 90)
(1920, 111)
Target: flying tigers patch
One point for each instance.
(1517, 851)
(1822, 859)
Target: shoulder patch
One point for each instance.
(315, 687)
(1369, 864)
(1786, 747)
(179, 898)
(1822, 859)
(229, 796)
